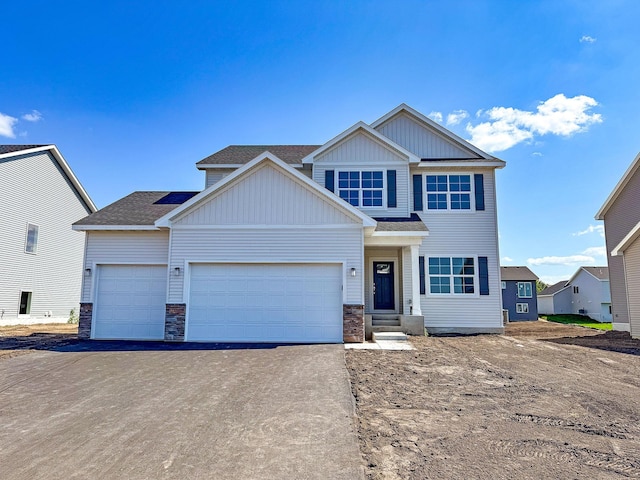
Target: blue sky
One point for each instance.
(134, 93)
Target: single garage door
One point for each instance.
(288, 303)
(130, 302)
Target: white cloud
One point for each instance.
(507, 259)
(454, 118)
(536, 154)
(587, 39)
(568, 260)
(591, 229)
(509, 126)
(596, 251)
(34, 116)
(6, 126)
(436, 116)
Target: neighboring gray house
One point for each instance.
(40, 255)
(621, 215)
(585, 293)
(519, 296)
(390, 224)
(555, 299)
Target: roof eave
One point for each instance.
(87, 228)
(618, 188)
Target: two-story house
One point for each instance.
(40, 255)
(519, 294)
(392, 223)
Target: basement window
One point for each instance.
(25, 303)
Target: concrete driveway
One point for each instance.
(153, 411)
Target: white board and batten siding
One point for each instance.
(362, 152)
(425, 143)
(632, 269)
(122, 248)
(34, 189)
(463, 233)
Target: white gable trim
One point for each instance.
(627, 241)
(618, 188)
(65, 168)
(586, 271)
(381, 139)
(206, 194)
(434, 126)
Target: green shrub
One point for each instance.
(73, 316)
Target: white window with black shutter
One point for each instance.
(364, 188)
(448, 192)
(455, 275)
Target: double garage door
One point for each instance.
(297, 303)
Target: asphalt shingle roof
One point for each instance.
(241, 154)
(555, 288)
(392, 224)
(138, 208)
(601, 273)
(17, 148)
(517, 274)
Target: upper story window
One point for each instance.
(525, 290)
(449, 192)
(361, 188)
(452, 275)
(31, 244)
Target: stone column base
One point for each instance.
(174, 320)
(84, 321)
(353, 323)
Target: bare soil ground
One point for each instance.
(543, 401)
(21, 339)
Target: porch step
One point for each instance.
(385, 321)
(389, 336)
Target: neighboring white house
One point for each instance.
(621, 215)
(40, 255)
(585, 293)
(391, 224)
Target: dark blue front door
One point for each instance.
(383, 290)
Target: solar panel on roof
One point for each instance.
(175, 198)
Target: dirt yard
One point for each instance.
(544, 401)
(20, 339)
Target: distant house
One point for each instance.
(585, 293)
(519, 294)
(40, 255)
(555, 299)
(621, 215)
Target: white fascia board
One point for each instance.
(618, 188)
(165, 221)
(65, 168)
(400, 234)
(233, 165)
(86, 228)
(434, 125)
(384, 141)
(392, 241)
(626, 242)
(496, 163)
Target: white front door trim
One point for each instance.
(396, 283)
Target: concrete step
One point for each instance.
(387, 322)
(389, 336)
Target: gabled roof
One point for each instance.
(236, 155)
(137, 211)
(618, 188)
(361, 126)
(430, 124)
(8, 151)
(601, 273)
(517, 274)
(166, 220)
(401, 224)
(627, 241)
(553, 289)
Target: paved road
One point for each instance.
(109, 410)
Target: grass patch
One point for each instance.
(580, 320)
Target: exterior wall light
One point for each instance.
(353, 271)
(87, 271)
(176, 271)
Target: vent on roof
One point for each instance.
(175, 198)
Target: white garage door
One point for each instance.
(130, 302)
(296, 303)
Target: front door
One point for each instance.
(383, 288)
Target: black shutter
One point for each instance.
(329, 181)
(483, 274)
(478, 179)
(417, 193)
(423, 279)
(391, 189)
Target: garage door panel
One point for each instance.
(130, 302)
(265, 303)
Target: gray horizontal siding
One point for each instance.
(34, 189)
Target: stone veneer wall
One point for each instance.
(174, 322)
(353, 323)
(84, 322)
